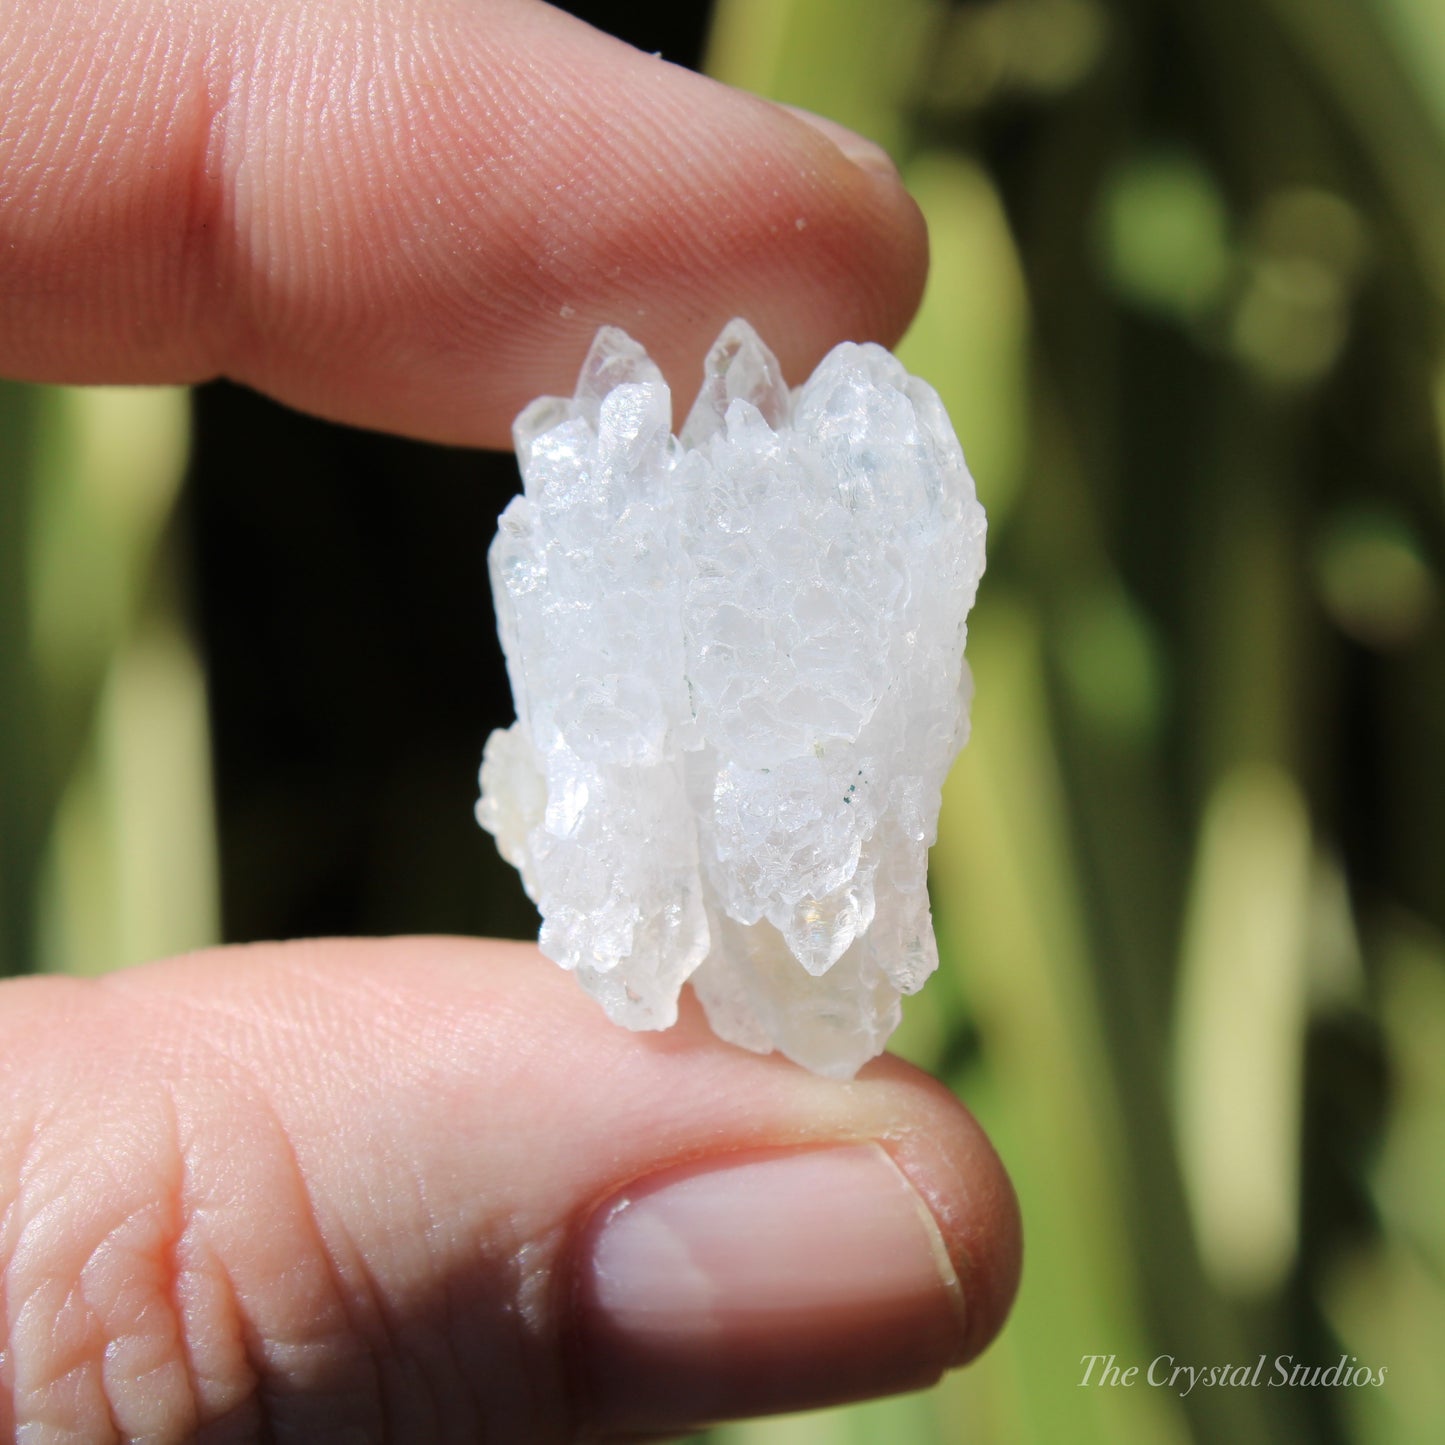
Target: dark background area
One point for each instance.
(346, 623)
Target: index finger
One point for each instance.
(412, 214)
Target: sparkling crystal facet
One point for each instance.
(737, 661)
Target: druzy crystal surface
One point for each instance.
(737, 661)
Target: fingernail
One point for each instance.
(859, 149)
(777, 1283)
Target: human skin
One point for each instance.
(420, 1189)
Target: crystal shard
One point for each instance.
(737, 662)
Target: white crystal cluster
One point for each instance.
(737, 661)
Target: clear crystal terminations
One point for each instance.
(737, 661)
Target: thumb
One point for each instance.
(420, 1189)
(412, 214)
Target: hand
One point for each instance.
(411, 214)
(421, 1189)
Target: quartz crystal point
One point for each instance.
(737, 661)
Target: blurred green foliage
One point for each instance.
(1186, 309)
(107, 852)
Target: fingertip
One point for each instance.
(753, 1284)
(750, 1282)
(703, 204)
(953, 1165)
(821, 242)
(418, 217)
